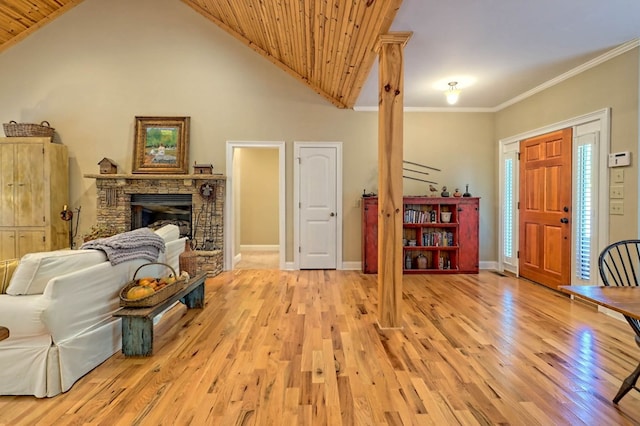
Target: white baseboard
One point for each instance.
(356, 266)
(489, 265)
(260, 247)
(237, 258)
(351, 266)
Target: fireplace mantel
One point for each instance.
(155, 177)
(114, 193)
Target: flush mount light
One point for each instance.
(453, 93)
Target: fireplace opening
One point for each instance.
(157, 210)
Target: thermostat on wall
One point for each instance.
(619, 159)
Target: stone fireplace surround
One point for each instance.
(114, 207)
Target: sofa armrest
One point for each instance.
(86, 298)
(22, 315)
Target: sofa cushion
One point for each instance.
(168, 233)
(7, 268)
(36, 269)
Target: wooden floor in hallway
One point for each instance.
(304, 348)
(258, 259)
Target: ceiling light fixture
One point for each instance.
(453, 93)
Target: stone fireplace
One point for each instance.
(193, 202)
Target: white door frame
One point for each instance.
(229, 225)
(602, 213)
(296, 198)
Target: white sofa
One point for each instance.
(59, 315)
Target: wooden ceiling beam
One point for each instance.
(392, 7)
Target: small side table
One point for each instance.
(4, 333)
(137, 323)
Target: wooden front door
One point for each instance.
(545, 208)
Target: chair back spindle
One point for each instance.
(619, 265)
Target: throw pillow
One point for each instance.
(7, 267)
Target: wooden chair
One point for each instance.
(619, 265)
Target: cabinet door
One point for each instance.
(30, 242)
(468, 259)
(369, 235)
(8, 245)
(6, 185)
(29, 185)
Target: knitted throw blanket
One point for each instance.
(140, 243)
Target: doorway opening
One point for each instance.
(255, 205)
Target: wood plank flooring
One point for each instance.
(258, 259)
(304, 348)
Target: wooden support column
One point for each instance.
(390, 116)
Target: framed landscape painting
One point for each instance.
(161, 145)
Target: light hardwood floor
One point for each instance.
(258, 259)
(303, 348)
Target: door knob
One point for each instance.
(564, 220)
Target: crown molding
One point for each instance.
(623, 48)
(427, 109)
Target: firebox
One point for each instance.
(156, 210)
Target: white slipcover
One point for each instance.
(60, 335)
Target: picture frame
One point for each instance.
(161, 145)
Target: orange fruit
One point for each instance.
(138, 292)
(145, 281)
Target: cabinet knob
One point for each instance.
(332, 214)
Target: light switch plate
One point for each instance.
(616, 207)
(616, 191)
(617, 175)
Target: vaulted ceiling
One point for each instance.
(502, 51)
(326, 44)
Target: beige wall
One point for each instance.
(259, 196)
(91, 71)
(613, 84)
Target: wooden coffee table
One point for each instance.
(4, 333)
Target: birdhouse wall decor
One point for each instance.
(108, 167)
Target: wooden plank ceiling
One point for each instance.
(19, 18)
(326, 44)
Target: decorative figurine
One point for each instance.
(444, 193)
(108, 166)
(457, 193)
(434, 191)
(202, 169)
(466, 192)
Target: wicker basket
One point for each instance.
(13, 129)
(152, 299)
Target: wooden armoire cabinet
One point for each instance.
(34, 188)
(440, 235)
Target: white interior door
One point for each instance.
(318, 207)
